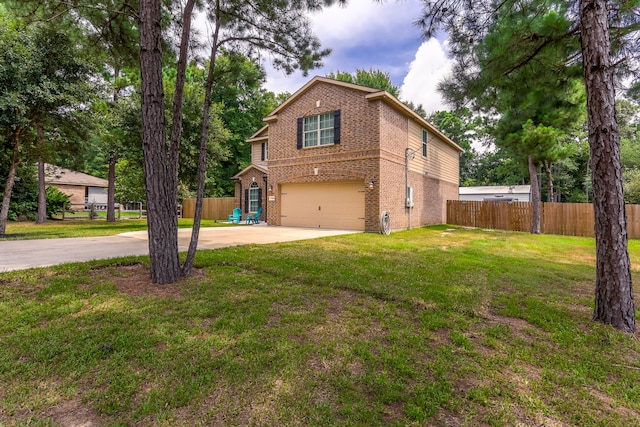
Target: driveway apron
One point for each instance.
(24, 254)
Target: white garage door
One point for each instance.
(325, 205)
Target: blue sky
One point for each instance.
(368, 34)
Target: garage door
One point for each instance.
(326, 205)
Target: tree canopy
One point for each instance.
(602, 37)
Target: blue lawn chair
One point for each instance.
(235, 216)
(254, 218)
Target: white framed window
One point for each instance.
(425, 138)
(318, 130)
(254, 197)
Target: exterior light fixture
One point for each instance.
(371, 184)
(270, 188)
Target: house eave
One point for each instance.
(262, 169)
(398, 105)
(273, 116)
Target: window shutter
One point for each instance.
(299, 135)
(246, 200)
(336, 127)
(262, 156)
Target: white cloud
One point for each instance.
(364, 34)
(365, 21)
(428, 68)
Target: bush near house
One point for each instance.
(57, 202)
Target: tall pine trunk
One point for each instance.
(535, 195)
(8, 186)
(162, 217)
(613, 294)
(42, 190)
(202, 158)
(551, 197)
(111, 200)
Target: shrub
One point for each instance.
(57, 201)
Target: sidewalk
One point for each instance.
(23, 254)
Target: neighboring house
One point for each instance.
(516, 193)
(84, 189)
(339, 155)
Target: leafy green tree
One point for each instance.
(587, 25)
(238, 86)
(630, 149)
(536, 100)
(24, 201)
(43, 85)
(632, 186)
(192, 113)
(129, 181)
(376, 79)
(373, 78)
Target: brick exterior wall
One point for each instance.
(244, 183)
(373, 140)
(76, 192)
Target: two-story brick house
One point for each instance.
(339, 155)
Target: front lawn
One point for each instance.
(435, 326)
(86, 228)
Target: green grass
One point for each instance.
(434, 326)
(86, 228)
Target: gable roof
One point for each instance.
(260, 135)
(371, 94)
(314, 81)
(262, 169)
(56, 175)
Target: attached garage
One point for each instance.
(338, 205)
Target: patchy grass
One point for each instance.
(434, 326)
(86, 228)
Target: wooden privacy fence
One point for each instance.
(571, 219)
(217, 208)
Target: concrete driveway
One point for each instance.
(23, 254)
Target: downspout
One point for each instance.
(265, 199)
(406, 183)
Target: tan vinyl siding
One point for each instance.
(442, 161)
(256, 154)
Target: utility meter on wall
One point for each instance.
(409, 202)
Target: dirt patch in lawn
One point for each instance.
(134, 280)
(74, 413)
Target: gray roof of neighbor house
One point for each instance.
(495, 189)
(61, 176)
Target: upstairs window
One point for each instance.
(319, 130)
(425, 137)
(265, 151)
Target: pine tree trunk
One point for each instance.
(535, 196)
(42, 191)
(162, 217)
(8, 189)
(111, 201)
(42, 194)
(613, 295)
(550, 194)
(202, 158)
